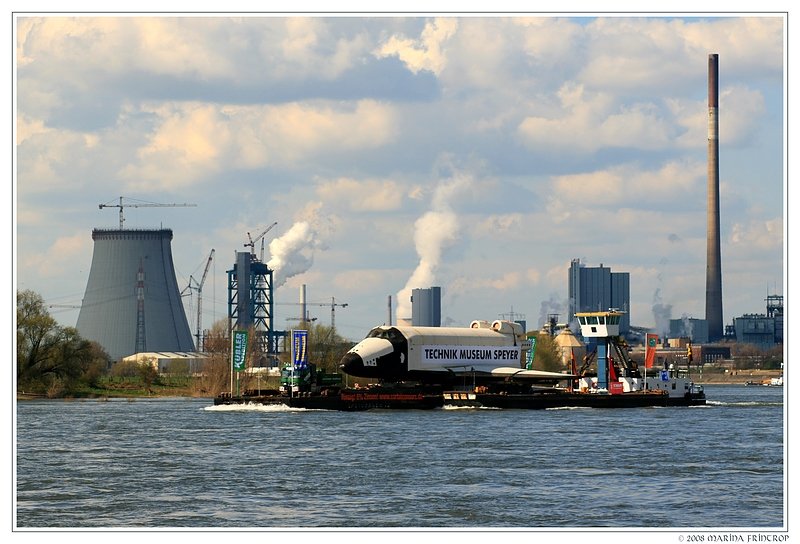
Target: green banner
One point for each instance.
(529, 365)
(238, 350)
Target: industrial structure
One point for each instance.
(198, 286)
(713, 253)
(595, 289)
(251, 304)
(305, 317)
(132, 302)
(426, 307)
(762, 330)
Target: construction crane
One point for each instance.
(333, 304)
(140, 204)
(198, 286)
(252, 241)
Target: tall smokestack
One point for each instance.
(303, 310)
(713, 258)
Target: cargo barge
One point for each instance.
(348, 400)
(684, 394)
(488, 365)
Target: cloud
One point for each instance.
(192, 141)
(425, 53)
(757, 235)
(371, 195)
(589, 121)
(626, 185)
(65, 249)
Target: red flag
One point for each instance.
(650, 350)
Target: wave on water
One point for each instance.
(745, 403)
(448, 407)
(255, 407)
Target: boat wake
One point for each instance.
(743, 404)
(449, 407)
(255, 407)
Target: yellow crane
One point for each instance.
(139, 204)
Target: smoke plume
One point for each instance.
(293, 252)
(662, 314)
(434, 232)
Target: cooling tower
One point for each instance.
(713, 254)
(132, 303)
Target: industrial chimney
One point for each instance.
(713, 258)
(132, 303)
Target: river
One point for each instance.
(183, 463)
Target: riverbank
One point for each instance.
(736, 376)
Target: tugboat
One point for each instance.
(618, 382)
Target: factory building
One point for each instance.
(132, 303)
(426, 307)
(762, 330)
(593, 289)
(696, 330)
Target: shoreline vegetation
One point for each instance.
(132, 390)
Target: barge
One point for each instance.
(429, 367)
(348, 399)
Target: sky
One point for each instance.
(478, 152)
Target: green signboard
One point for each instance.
(531, 353)
(238, 350)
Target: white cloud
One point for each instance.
(757, 235)
(193, 140)
(626, 185)
(369, 195)
(426, 52)
(591, 121)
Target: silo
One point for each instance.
(132, 303)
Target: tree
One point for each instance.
(326, 348)
(548, 355)
(52, 358)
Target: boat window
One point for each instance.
(602, 319)
(592, 320)
(582, 320)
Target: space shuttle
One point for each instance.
(484, 351)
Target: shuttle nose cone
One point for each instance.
(352, 364)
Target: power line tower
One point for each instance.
(139, 204)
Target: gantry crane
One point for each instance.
(252, 241)
(333, 304)
(140, 204)
(198, 286)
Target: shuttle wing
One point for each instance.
(521, 373)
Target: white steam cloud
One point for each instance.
(434, 232)
(293, 252)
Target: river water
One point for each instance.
(183, 463)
